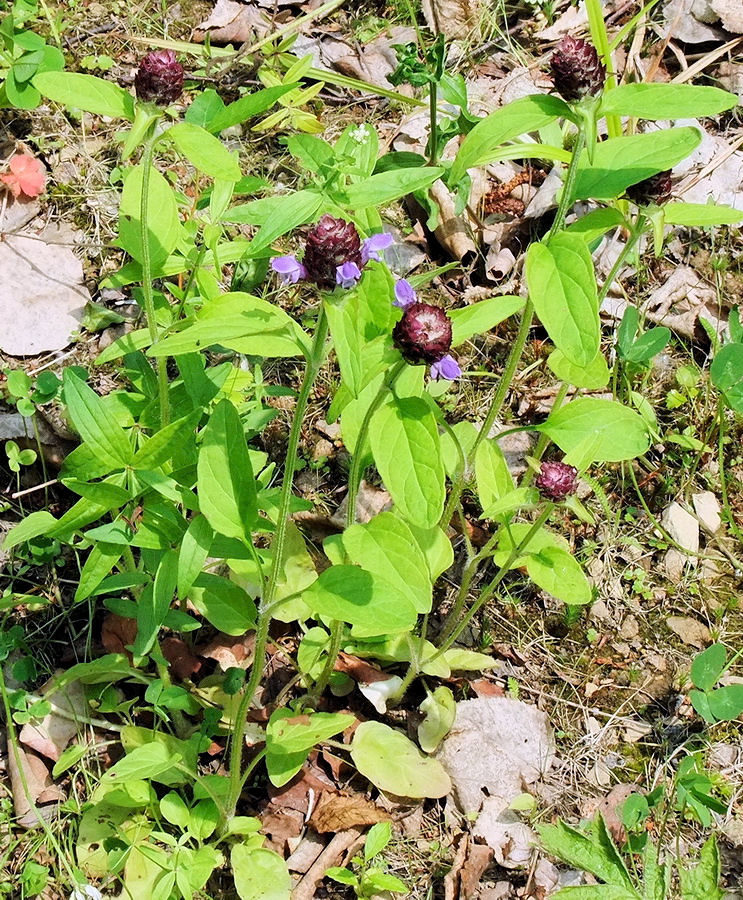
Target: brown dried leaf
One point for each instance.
(453, 18)
(50, 736)
(230, 652)
(479, 857)
(181, 659)
(359, 669)
(118, 632)
(231, 22)
(610, 807)
(337, 812)
(41, 790)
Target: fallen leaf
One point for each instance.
(180, 657)
(38, 787)
(117, 633)
(231, 22)
(610, 808)
(52, 734)
(730, 13)
(691, 631)
(684, 529)
(453, 18)
(26, 177)
(42, 298)
(682, 24)
(230, 652)
(479, 857)
(370, 501)
(337, 812)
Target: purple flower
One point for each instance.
(372, 246)
(447, 367)
(331, 243)
(577, 70)
(159, 78)
(557, 480)
(347, 275)
(289, 269)
(404, 294)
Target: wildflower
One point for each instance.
(447, 368)
(330, 245)
(372, 246)
(423, 335)
(289, 269)
(86, 892)
(576, 69)
(159, 78)
(347, 275)
(404, 294)
(26, 176)
(557, 480)
(656, 189)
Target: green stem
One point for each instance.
(432, 113)
(544, 440)
(566, 197)
(600, 40)
(629, 246)
(334, 648)
(721, 464)
(278, 550)
(147, 292)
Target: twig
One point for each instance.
(37, 487)
(305, 890)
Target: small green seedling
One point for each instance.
(715, 704)
(369, 880)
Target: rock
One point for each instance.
(630, 629)
(42, 297)
(707, 508)
(684, 529)
(691, 631)
(730, 13)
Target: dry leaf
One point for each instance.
(337, 812)
(117, 633)
(52, 734)
(453, 18)
(370, 501)
(231, 22)
(479, 857)
(230, 652)
(42, 298)
(691, 631)
(41, 790)
(181, 659)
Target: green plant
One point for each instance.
(23, 54)
(369, 879)
(713, 703)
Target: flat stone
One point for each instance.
(707, 508)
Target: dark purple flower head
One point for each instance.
(331, 243)
(423, 334)
(656, 189)
(159, 78)
(576, 69)
(557, 480)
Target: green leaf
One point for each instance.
(193, 553)
(95, 423)
(492, 474)
(592, 377)
(648, 345)
(387, 547)
(204, 151)
(342, 876)
(557, 571)
(513, 536)
(487, 137)
(312, 152)
(393, 763)
(594, 853)
(163, 226)
(726, 373)
(726, 703)
(86, 92)
(700, 215)
(145, 762)
(166, 442)
(259, 874)
(101, 559)
(702, 882)
(381, 882)
(595, 224)
(377, 838)
(205, 108)
(622, 161)
(288, 212)
(605, 430)
(407, 452)
(174, 810)
(468, 660)
(154, 603)
(289, 732)
(562, 287)
(708, 666)
(481, 316)
(372, 604)
(227, 492)
(665, 101)
(439, 710)
(246, 107)
(385, 187)
(596, 892)
(223, 603)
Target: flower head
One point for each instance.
(447, 368)
(423, 334)
(372, 246)
(656, 189)
(330, 244)
(289, 269)
(576, 69)
(404, 294)
(159, 78)
(26, 176)
(347, 275)
(557, 480)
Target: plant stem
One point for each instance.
(601, 42)
(278, 549)
(721, 464)
(147, 292)
(629, 246)
(433, 154)
(566, 197)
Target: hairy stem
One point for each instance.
(147, 292)
(277, 563)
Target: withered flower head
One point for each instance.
(576, 69)
(159, 78)
(423, 334)
(557, 480)
(331, 244)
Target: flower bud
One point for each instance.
(576, 69)
(159, 78)
(656, 189)
(331, 244)
(423, 334)
(557, 480)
